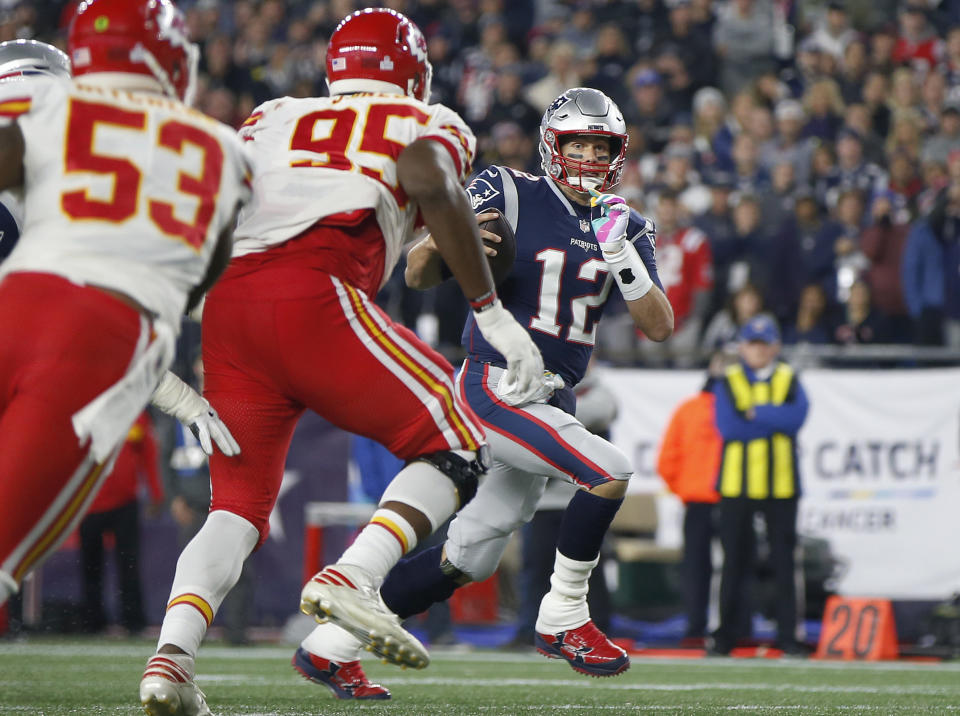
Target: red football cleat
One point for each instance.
(346, 680)
(587, 650)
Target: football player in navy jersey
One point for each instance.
(574, 241)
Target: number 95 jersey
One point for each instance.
(324, 157)
(124, 190)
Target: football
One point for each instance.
(500, 264)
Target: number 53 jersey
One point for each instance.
(559, 283)
(332, 159)
(124, 190)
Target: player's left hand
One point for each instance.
(207, 427)
(488, 237)
(611, 226)
(176, 398)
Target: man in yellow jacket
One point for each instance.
(760, 406)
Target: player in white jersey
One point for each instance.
(339, 185)
(130, 203)
(21, 61)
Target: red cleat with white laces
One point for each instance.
(345, 679)
(587, 650)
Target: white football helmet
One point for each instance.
(23, 58)
(582, 110)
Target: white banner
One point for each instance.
(880, 470)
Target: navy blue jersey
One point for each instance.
(559, 283)
(9, 232)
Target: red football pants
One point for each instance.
(279, 338)
(61, 345)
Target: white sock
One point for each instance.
(331, 642)
(208, 568)
(565, 605)
(380, 545)
(183, 627)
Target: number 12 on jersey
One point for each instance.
(551, 282)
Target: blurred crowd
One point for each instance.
(800, 158)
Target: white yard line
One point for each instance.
(480, 656)
(614, 686)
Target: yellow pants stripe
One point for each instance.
(62, 523)
(441, 390)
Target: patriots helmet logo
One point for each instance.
(557, 103)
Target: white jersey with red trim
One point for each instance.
(124, 190)
(318, 156)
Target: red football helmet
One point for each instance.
(143, 37)
(378, 50)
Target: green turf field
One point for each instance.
(55, 676)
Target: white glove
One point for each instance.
(176, 398)
(550, 384)
(524, 363)
(611, 226)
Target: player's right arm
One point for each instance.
(223, 249)
(428, 175)
(218, 264)
(425, 267)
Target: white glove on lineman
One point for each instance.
(524, 363)
(176, 398)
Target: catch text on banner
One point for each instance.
(879, 463)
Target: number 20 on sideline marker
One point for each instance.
(858, 629)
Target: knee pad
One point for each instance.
(438, 484)
(464, 472)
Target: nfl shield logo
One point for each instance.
(584, 226)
